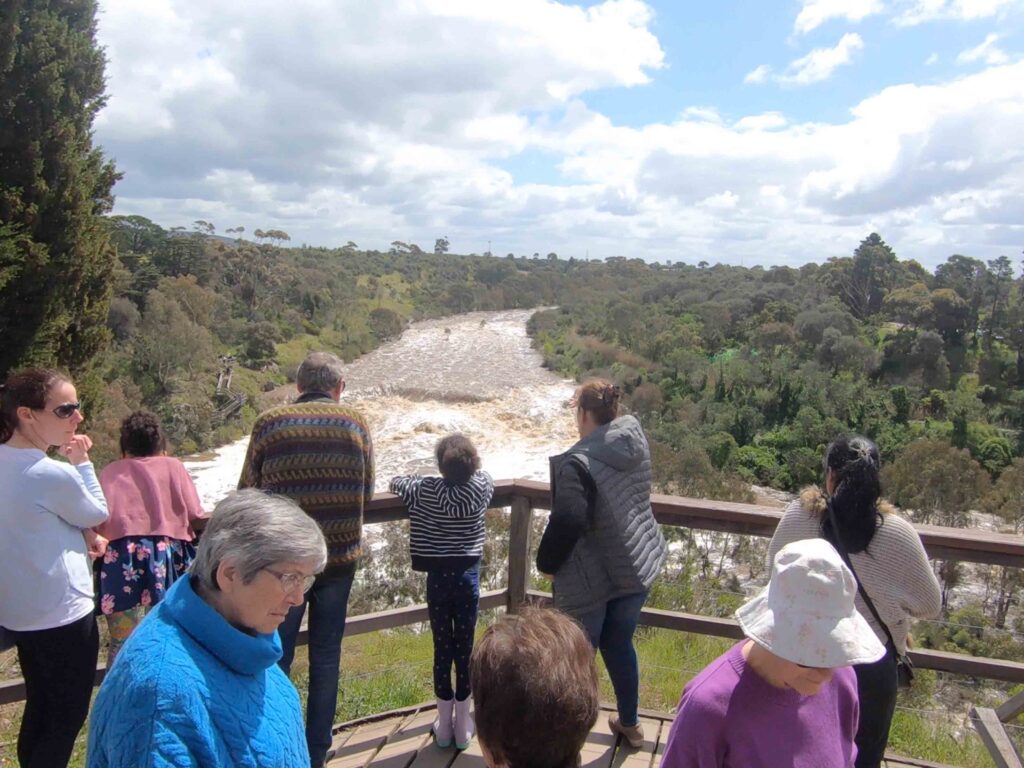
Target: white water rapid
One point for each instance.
(474, 374)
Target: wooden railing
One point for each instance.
(524, 497)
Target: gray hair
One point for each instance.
(256, 529)
(319, 372)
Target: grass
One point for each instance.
(392, 669)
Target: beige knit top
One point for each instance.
(894, 569)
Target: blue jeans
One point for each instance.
(453, 599)
(328, 605)
(611, 628)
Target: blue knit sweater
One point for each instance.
(188, 689)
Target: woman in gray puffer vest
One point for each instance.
(602, 544)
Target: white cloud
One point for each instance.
(409, 119)
(758, 75)
(986, 51)
(921, 11)
(932, 60)
(821, 63)
(765, 122)
(709, 114)
(814, 13)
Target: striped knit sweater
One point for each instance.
(894, 568)
(446, 520)
(318, 453)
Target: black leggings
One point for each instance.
(59, 666)
(876, 689)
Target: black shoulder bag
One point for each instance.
(904, 666)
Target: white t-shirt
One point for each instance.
(45, 575)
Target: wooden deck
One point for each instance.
(402, 739)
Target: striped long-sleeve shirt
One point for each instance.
(318, 453)
(446, 520)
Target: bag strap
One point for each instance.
(860, 585)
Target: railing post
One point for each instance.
(519, 552)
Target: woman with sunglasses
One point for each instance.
(46, 589)
(198, 684)
(152, 502)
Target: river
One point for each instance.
(474, 373)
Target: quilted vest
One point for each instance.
(623, 549)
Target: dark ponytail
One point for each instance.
(854, 500)
(27, 388)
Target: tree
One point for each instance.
(863, 281)
(54, 185)
(441, 245)
(938, 482)
(910, 306)
(1007, 496)
(261, 341)
(169, 344)
(386, 323)
(967, 277)
(901, 402)
(1001, 274)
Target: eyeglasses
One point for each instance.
(65, 410)
(292, 581)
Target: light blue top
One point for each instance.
(45, 574)
(189, 689)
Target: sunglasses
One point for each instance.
(65, 410)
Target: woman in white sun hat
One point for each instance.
(786, 696)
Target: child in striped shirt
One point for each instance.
(446, 539)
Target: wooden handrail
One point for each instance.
(525, 496)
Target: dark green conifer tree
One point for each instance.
(55, 254)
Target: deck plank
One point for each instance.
(639, 757)
(404, 745)
(363, 745)
(405, 741)
(599, 749)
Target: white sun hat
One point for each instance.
(806, 614)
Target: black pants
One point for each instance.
(876, 689)
(59, 666)
(453, 600)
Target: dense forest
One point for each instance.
(741, 376)
(738, 374)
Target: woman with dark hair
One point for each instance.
(602, 545)
(889, 562)
(46, 592)
(152, 503)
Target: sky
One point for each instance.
(772, 132)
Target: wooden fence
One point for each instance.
(524, 497)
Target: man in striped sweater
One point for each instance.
(318, 452)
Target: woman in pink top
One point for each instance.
(152, 503)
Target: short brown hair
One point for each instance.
(535, 690)
(599, 397)
(456, 458)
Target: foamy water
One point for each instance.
(475, 374)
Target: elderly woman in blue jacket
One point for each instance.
(197, 684)
(602, 545)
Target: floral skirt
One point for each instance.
(138, 570)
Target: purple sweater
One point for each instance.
(730, 717)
